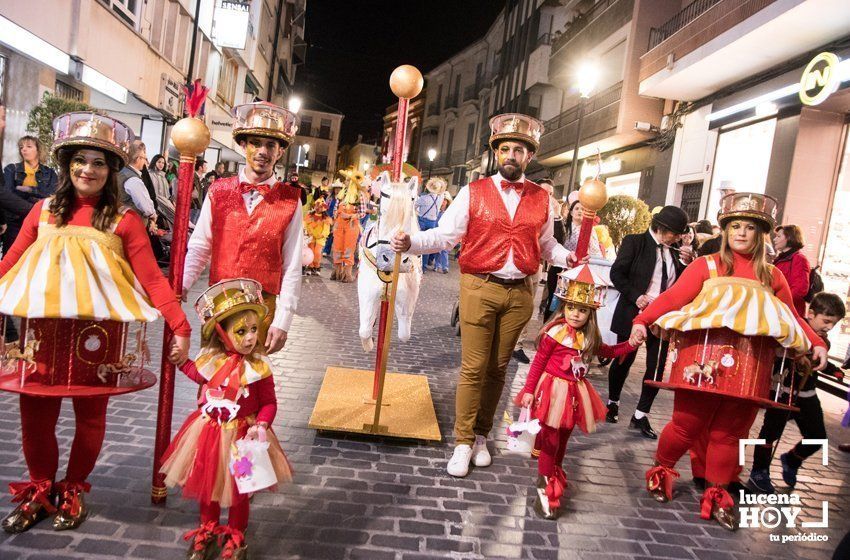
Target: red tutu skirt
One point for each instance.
(567, 403)
(198, 459)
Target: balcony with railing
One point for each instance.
(696, 25)
(451, 101)
(323, 132)
(433, 109)
(600, 118)
(594, 25)
(470, 93)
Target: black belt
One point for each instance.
(502, 281)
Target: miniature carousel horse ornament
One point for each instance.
(376, 258)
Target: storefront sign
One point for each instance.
(231, 22)
(820, 79)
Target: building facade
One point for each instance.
(314, 149)
(130, 59)
(413, 138)
(775, 123)
(360, 155)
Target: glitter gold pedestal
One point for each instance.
(344, 405)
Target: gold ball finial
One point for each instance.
(190, 136)
(593, 195)
(406, 81)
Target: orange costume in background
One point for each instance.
(317, 225)
(347, 227)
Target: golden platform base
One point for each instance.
(344, 405)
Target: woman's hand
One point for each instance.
(179, 350)
(819, 358)
(527, 400)
(257, 431)
(638, 335)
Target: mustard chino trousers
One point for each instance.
(492, 317)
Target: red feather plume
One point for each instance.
(196, 95)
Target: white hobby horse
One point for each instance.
(377, 258)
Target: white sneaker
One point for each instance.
(459, 463)
(480, 454)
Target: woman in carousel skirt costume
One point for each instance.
(79, 273)
(727, 315)
(238, 404)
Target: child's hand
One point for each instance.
(527, 400)
(179, 350)
(257, 431)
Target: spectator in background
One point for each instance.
(219, 170)
(171, 175)
(198, 192)
(162, 189)
(29, 180)
(688, 246)
(790, 260)
(132, 189)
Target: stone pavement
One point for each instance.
(360, 497)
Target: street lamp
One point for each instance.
(294, 103)
(432, 154)
(587, 76)
(306, 148)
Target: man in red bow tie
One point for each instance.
(506, 224)
(250, 224)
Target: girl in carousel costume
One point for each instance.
(80, 271)
(727, 314)
(346, 228)
(238, 403)
(317, 225)
(556, 389)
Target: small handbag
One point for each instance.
(251, 466)
(522, 433)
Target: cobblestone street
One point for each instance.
(361, 497)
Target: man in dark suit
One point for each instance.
(647, 264)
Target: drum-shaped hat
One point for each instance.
(266, 120)
(580, 285)
(754, 206)
(85, 129)
(515, 126)
(226, 298)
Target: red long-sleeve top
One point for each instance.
(690, 284)
(796, 269)
(261, 399)
(137, 251)
(555, 359)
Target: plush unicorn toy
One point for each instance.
(377, 258)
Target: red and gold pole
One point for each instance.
(406, 82)
(191, 137)
(593, 196)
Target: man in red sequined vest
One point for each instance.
(505, 224)
(251, 224)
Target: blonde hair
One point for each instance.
(763, 271)
(590, 330)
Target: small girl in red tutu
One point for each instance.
(556, 389)
(238, 404)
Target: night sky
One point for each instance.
(354, 46)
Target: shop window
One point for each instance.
(836, 259)
(741, 162)
(628, 184)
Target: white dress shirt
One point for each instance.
(654, 289)
(200, 249)
(135, 187)
(452, 228)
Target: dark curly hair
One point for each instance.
(63, 199)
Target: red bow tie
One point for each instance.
(516, 186)
(263, 189)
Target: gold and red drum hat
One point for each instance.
(264, 119)
(754, 206)
(516, 126)
(85, 129)
(226, 298)
(581, 286)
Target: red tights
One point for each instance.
(237, 515)
(553, 446)
(722, 421)
(39, 416)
